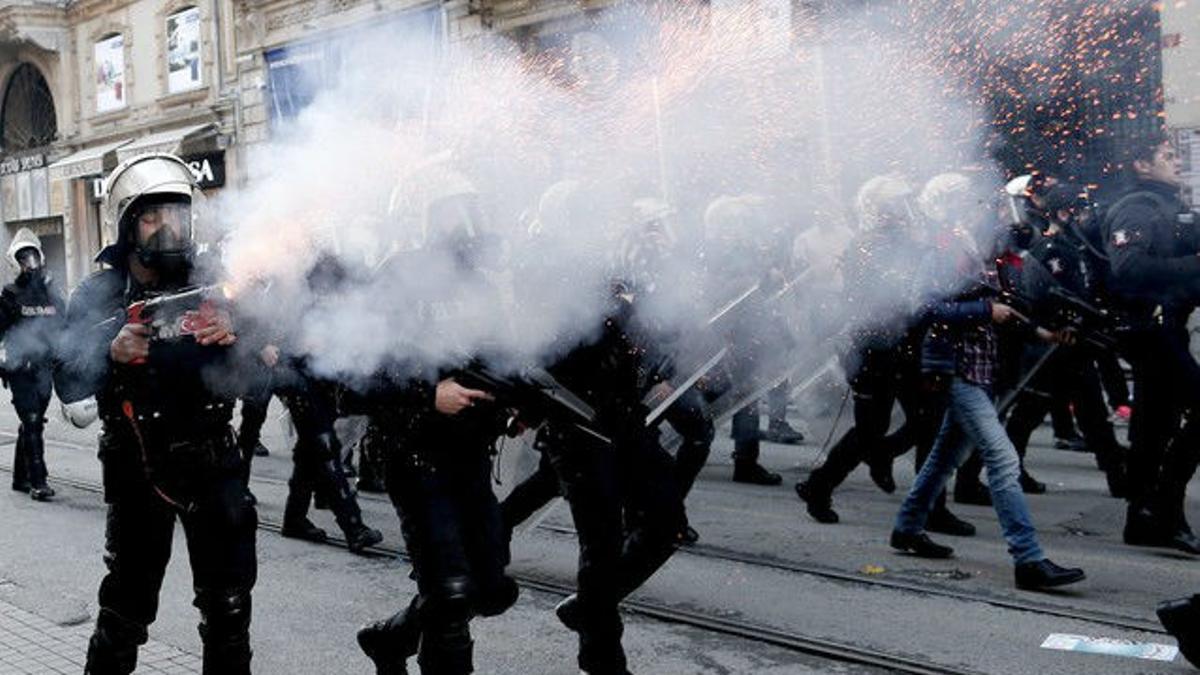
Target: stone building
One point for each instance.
(89, 83)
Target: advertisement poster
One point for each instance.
(110, 73)
(183, 50)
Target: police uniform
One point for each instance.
(31, 322)
(1153, 245)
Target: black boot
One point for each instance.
(296, 524)
(747, 470)
(1142, 527)
(943, 522)
(818, 503)
(779, 431)
(359, 537)
(446, 649)
(20, 477)
(1045, 574)
(35, 458)
(1181, 618)
(389, 643)
(113, 647)
(1031, 485)
(880, 467)
(920, 545)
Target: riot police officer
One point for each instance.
(166, 446)
(883, 365)
(31, 321)
(1154, 249)
(439, 470)
(1059, 267)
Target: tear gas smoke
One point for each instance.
(684, 105)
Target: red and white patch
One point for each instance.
(1120, 238)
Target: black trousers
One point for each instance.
(881, 379)
(1112, 376)
(31, 389)
(627, 512)
(317, 461)
(1068, 377)
(219, 523)
(456, 540)
(688, 417)
(1163, 453)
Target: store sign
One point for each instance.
(11, 165)
(208, 168)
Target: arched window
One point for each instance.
(27, 118)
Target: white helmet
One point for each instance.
(884, 200)
(23, 239)
(432, 196)
(141, 176)
(732, 219)
(81, 413)
(557, 207)
(944, 196)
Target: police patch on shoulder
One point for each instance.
(1120, 238)
(1056, 266)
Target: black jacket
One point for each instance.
(32, 315)
(1153, 247)
(183, 391)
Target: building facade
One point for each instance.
(89, 83)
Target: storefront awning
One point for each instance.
(86, 162)
(164, 141)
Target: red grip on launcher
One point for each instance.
(134, 315)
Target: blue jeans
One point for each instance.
(971, 420)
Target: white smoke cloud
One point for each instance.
(685, 107)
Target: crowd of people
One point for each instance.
(979, 310)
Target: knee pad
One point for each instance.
(450, 600)
(33, 422)
(224, 615)
(497, 598)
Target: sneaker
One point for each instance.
(819, 506)
(1045, 574)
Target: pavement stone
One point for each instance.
(33, 645)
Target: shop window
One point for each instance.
(27, 119)
(183, 51)
(111, 93)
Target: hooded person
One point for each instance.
(31, 323)
(163, 387)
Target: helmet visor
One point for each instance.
(29, 259)
(164, 228)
